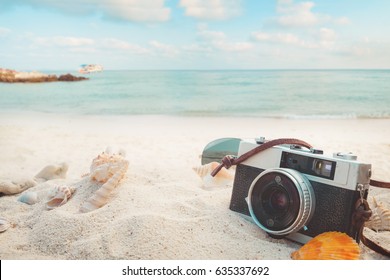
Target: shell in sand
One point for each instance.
(59, 196)
(102, 195)
(4, 224)
(16, 186)
(29, 197)
(329, 246)
(51, 172)
(105, 165)
(380, 219)
(108, 169)
(224, 177)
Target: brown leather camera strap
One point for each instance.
(380, 184)
(363, 207)
(361, 215)
(362, 212)
(229, 161)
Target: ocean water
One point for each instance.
(258, 93)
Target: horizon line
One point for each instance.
(216, 69)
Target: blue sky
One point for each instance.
(195, 34)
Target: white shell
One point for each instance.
(16, 186)
(224, 177)
(29, 197)
(51, 172)
(105, 165)
(59, 196)
(109, 170)
(4, 224)
(380, 219)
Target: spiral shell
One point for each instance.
(4, 224)
(105, 165)
(101, 196)
(380, 219)
(329, 246)
(29, 197)
(223, 178)
(59, 196)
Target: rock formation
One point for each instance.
(12, 76)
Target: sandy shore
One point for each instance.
(161, 209)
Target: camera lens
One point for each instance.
(281, 201)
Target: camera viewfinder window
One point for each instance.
(308, 165)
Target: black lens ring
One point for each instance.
(301, 201)
(279, 202)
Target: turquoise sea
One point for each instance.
(258, 93)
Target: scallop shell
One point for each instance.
(102, 195)
(59, 196)
(380, 219)
(29, 198)
(329, 246)
(4, 224)
(224, 177)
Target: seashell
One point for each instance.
(59, 196)
(29, 198)
(51, 172)
(102, 173)
(329, 246)
(16, 186)
(223, 178)
(101, 196)
(4, 224)
(105, 165)
(380, 219)
(122, 152)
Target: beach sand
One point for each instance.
(161, 209)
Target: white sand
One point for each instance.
(161, 209)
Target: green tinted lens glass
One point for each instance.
(217, 149)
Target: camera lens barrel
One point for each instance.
(281, 201)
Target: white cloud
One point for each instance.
(233, 46)
(212, 9)
(136, 10)
(128, 10)
(73, 41)
(81, 44)
(296, 14)
(306, 29)
(4, 31)
(113, 43)
(291, 14)
(342, 21)
(285, 38)
(219, 41)
(361, 51)
(62, 41)
(324, 39)
(212, 35)
(164, 49)
(327, 38)
(327, 34)
(196, 48)
(83, 50)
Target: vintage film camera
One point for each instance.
(294, 192)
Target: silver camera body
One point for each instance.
(297, 193)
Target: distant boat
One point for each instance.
(90, 68)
